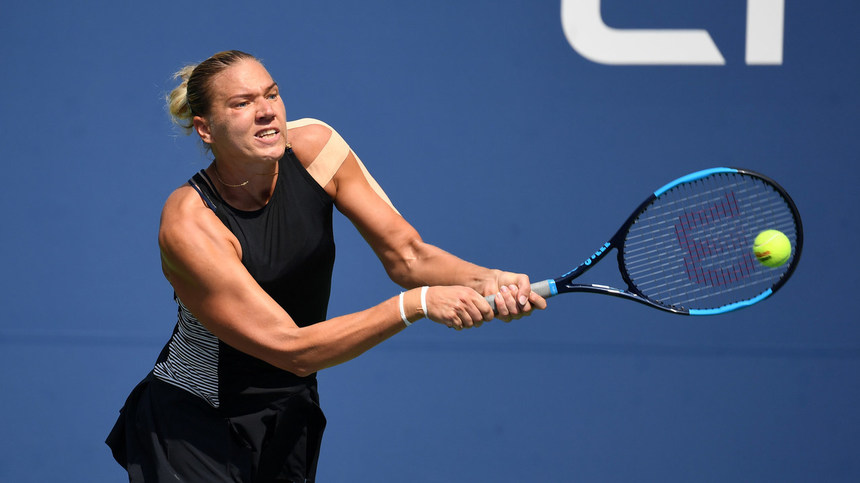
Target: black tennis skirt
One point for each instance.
(165, 433)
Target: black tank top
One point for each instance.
(288, 248)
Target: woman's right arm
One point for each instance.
(202, 261)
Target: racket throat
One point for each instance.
(621, 293)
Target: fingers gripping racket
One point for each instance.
(688, 248)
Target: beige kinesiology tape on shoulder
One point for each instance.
(332, 156)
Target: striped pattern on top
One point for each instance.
(192, 359)
(692, 247)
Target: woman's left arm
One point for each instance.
(408, 260)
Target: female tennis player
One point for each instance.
(247, 246)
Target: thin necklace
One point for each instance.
(215, 165)
(240, 184)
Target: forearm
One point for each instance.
(420, 263)
(325, 344)
(417, 263)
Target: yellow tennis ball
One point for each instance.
(772, 248)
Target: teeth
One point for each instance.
(267, 133)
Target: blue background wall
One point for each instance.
(500, 143)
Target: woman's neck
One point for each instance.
(248, 187)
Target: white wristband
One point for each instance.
(424, 299)
(403, 312)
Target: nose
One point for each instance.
(265, 110)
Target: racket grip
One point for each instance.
(542, 288)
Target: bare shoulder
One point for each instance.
(182, 206)
(308, 137)
(187, 224)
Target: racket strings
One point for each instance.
(692, 247)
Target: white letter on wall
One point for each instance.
(765, 19)
(584, 28)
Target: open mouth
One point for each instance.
(266, 134)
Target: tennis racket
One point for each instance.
(688, 248)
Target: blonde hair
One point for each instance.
(193, 97)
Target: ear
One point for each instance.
(201, 125)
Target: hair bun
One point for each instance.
(177, 100)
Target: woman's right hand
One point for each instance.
(457, 307)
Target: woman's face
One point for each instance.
(247, 119)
